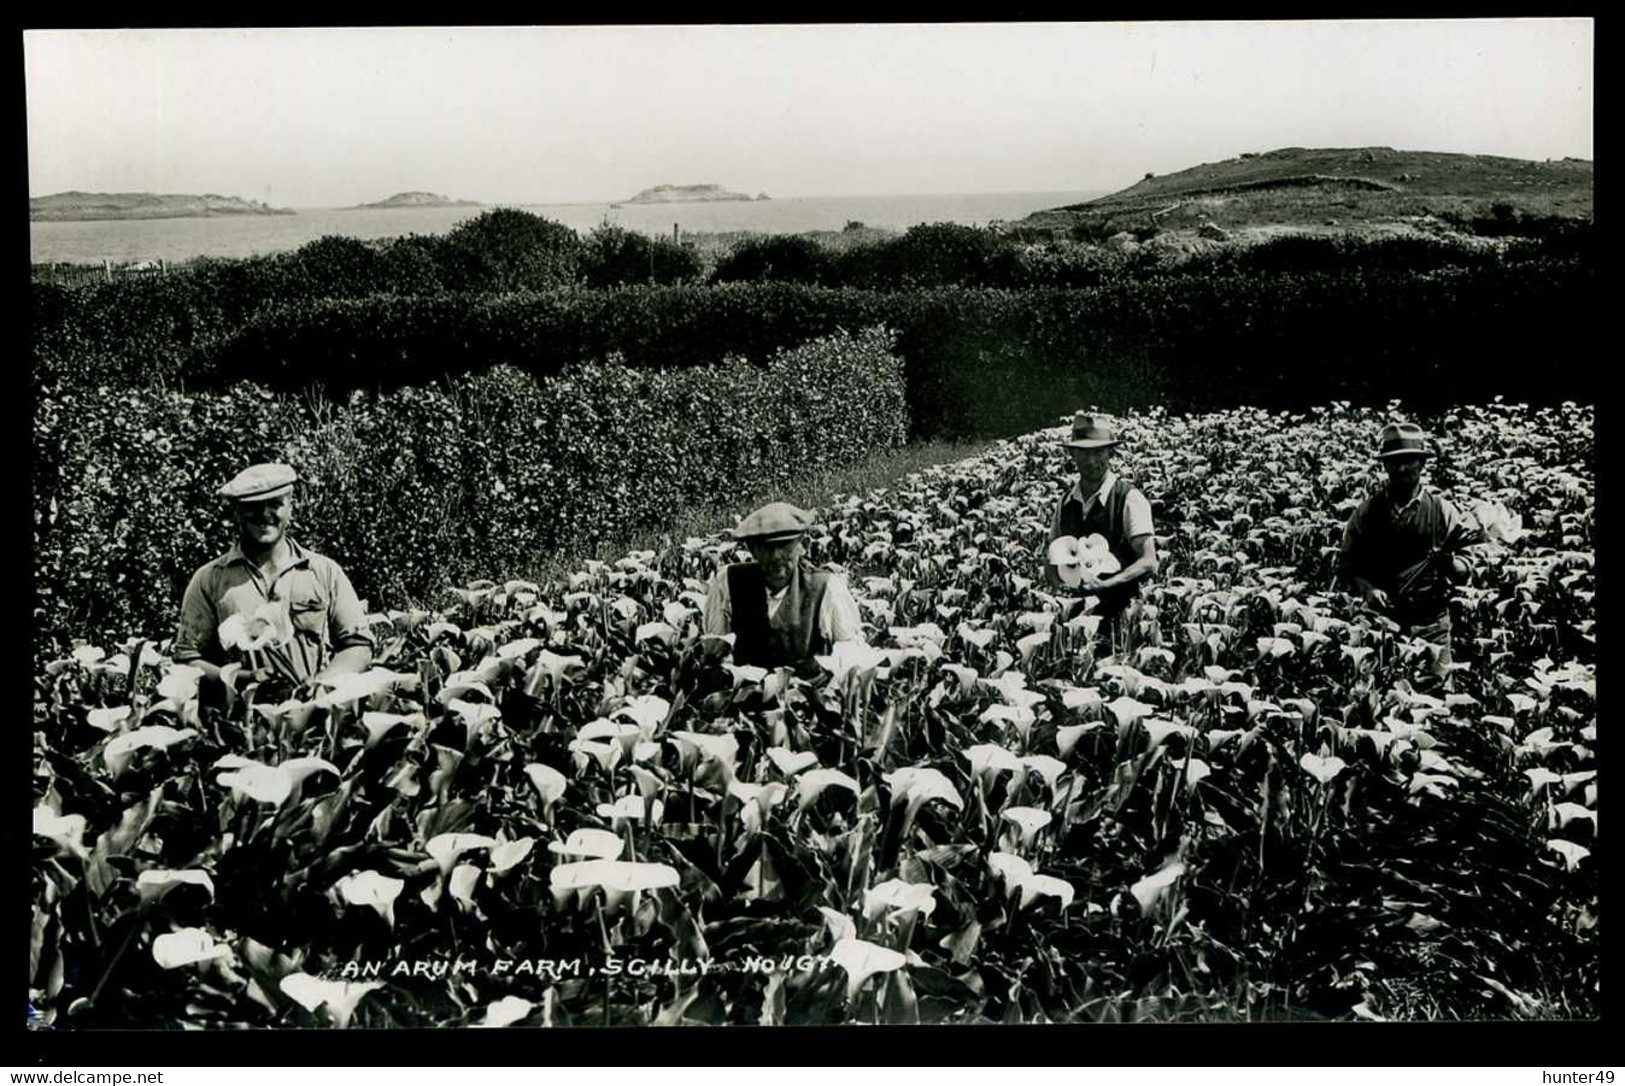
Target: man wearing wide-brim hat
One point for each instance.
(1402, 545)
(298, 603)
(781, 610)
(1103, 503)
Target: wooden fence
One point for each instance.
(84, 275)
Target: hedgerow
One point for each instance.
(412, 488)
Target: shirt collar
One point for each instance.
(1400, 507)
(1106, 484)
(297, 556)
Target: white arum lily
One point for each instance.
(460, 684)
(121, 748)
(1540, 777)
(790, 762)
(757, 801)
(1562, 814)
(1067, 736)
(588, 751)
(598, 844)
(108, 720)
(1020, 717)
(624, 733)
(1151, 889)
(862, 960)
(1030, 644)
(339, 998)
(511, 854)
(371, 890)
(476, 716)
(267, 626)
(987, 759)
(464, 877)
(1196, 771)
(813, 783)
(839, 924)
(87, 655)
(1434, 784)
(744, 674)
(179, 683)
(895, 897)
(1160, 730)
(662, 632)
(379, 724)
(1322, 769)
(552, 671)
(1126, 710)
(695, 748)
(1075, 559)
(647, 711)
(1082, 697)
(649, 785)
(67, 831)
(1029, 820)
(851, 660)
(917, 786)
(981, 638)
(631, 809)
(519, 649)
(1050, 769)
(269, 784)
(926, 635)
(1015, 871)
(444, 848)
(349, 689)
(1572, 853)
(505, 1012)
(548, 782)
(1038, 886)
(619, 879)
(187, 946)
(153, 885)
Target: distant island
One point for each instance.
(416, 199)
(688, 194)
(85, 206)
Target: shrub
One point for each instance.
(783, 258)
(414, 488)
(614, 256)
(509, 249)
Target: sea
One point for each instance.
(127, 240)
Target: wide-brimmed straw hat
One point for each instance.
(260, 483)
(1091, 432)
(773, 523)
(1402, 439)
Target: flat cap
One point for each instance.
(260, 483)
(773, 523)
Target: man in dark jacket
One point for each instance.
(780, 609)
(1104, 504)
(1401, 547)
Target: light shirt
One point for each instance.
(325, 612)
(838, 617)
(1136, 510)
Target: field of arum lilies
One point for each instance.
(563, 805)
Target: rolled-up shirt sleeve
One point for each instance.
(717, 616)
(838, 616)
(197, 632)
(346, 621)
(1137, 515)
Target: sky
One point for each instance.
(334, 117)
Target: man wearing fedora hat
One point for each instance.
(781, 611)
(324, 630)
(1400, 547)
(1102, 503)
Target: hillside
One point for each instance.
(82, 206)
(683, 194)
(416, 199)
(1367, 190)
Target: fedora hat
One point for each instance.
(1091, 432)
(774, 522)
(1401, 439)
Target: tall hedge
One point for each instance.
(415, 488)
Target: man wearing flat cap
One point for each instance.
(1103, 503)
(1401, 547)
(266, 574)
(781, 610)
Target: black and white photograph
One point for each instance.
(834, 525)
